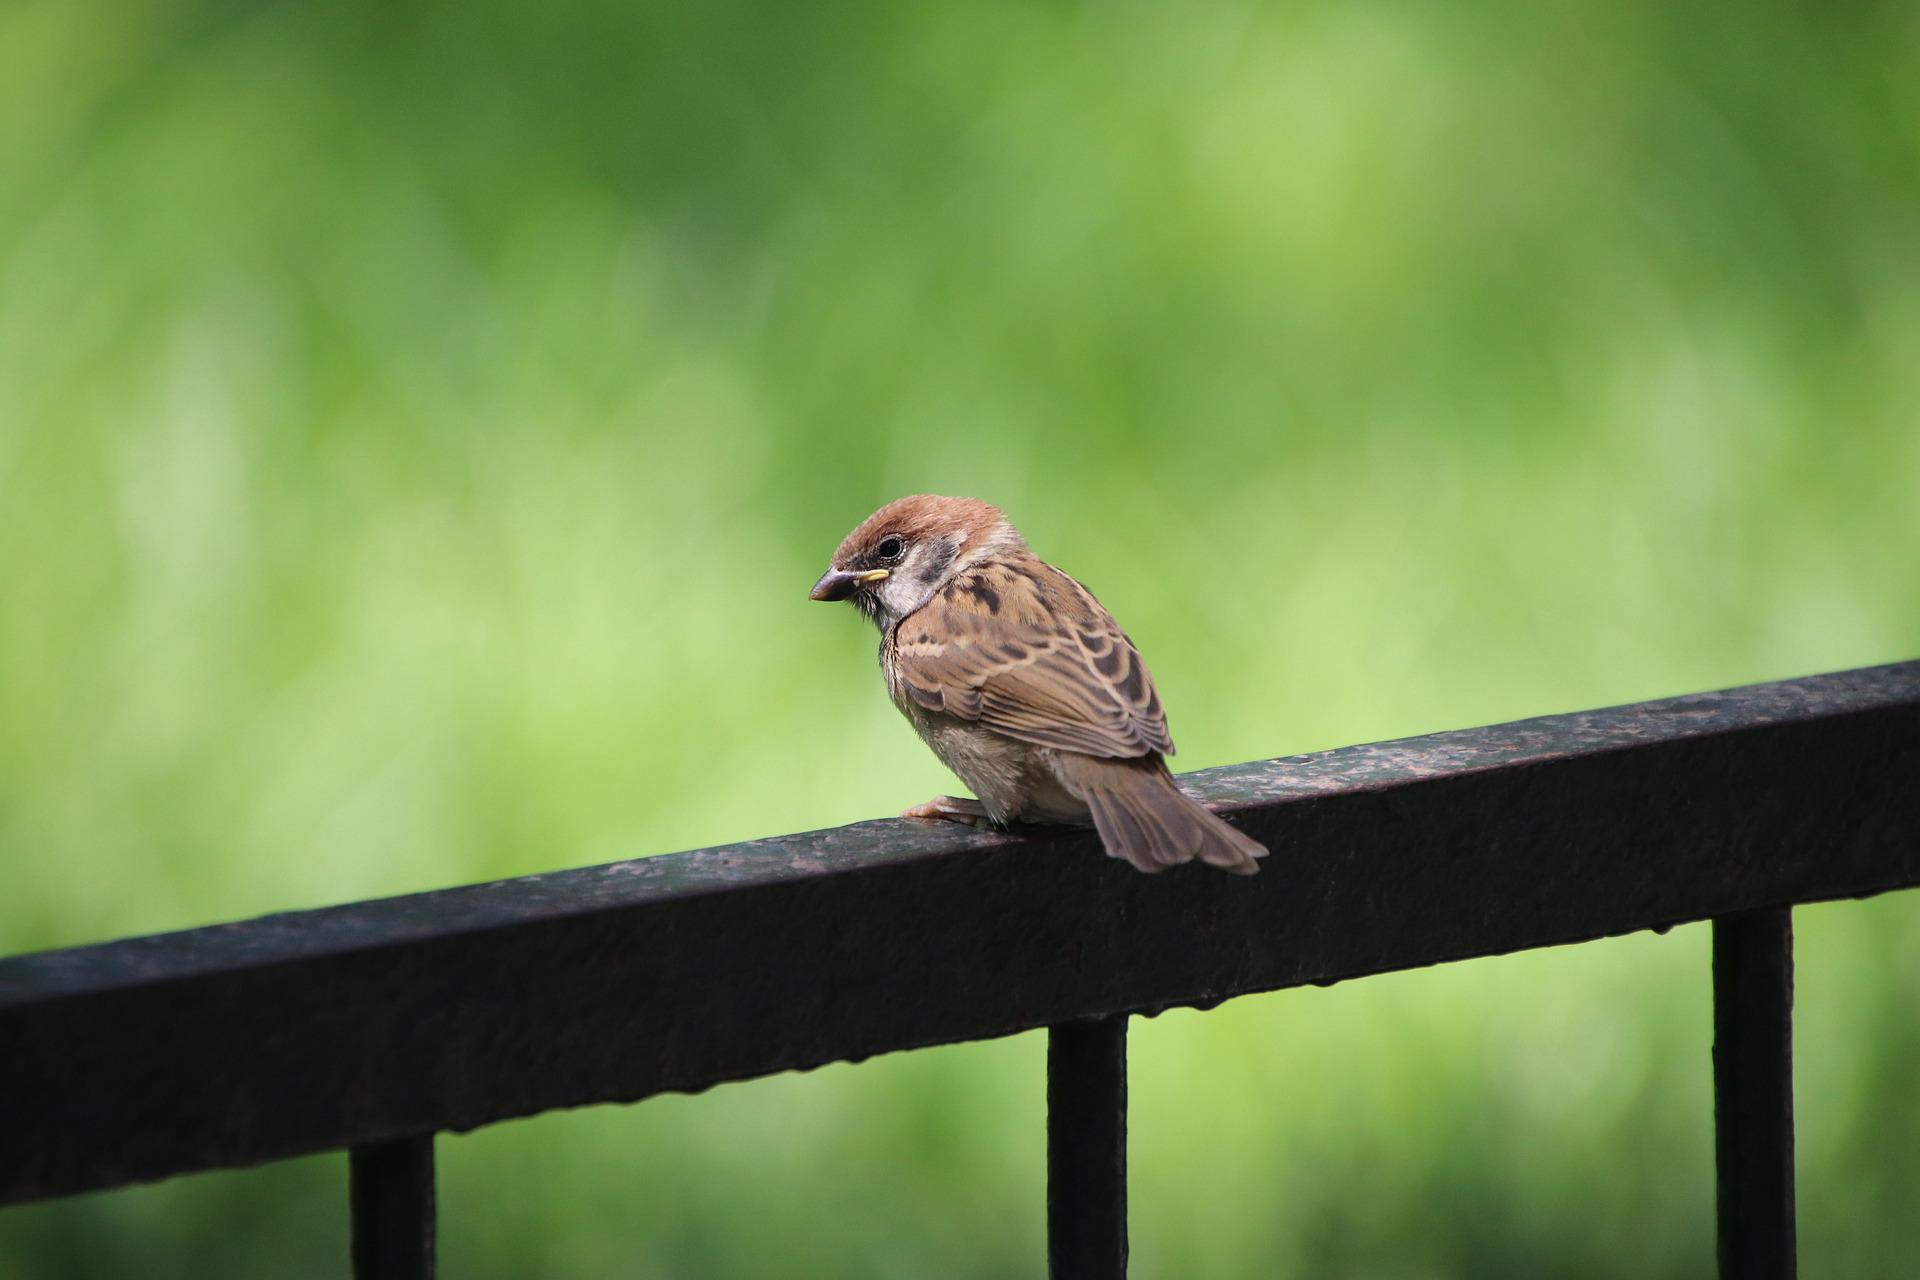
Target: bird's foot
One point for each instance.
(950, 809)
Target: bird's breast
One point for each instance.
(994, 767)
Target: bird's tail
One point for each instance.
(1144, 816)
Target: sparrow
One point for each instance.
(1022, 684)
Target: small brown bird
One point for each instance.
(1022, 684)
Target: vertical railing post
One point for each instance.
(391, 1190)
(1087, 1150)
(1753, 1093)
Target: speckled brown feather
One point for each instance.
(1025, 650)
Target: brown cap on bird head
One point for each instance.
(865, 555)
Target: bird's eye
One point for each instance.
(890, 547)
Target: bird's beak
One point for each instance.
(838, 584)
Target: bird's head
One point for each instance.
(903, 553)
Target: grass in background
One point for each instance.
(418, 431)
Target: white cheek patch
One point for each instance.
(895, 592)
(913, 582)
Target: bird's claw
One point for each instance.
(949, 809)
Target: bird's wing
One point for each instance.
(1028, 652)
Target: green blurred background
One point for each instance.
(420, 423)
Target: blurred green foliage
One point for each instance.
(419, 425)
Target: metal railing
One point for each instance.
(373, 1026)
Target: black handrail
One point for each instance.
(374, 1026)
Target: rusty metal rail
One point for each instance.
(374, 1026)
